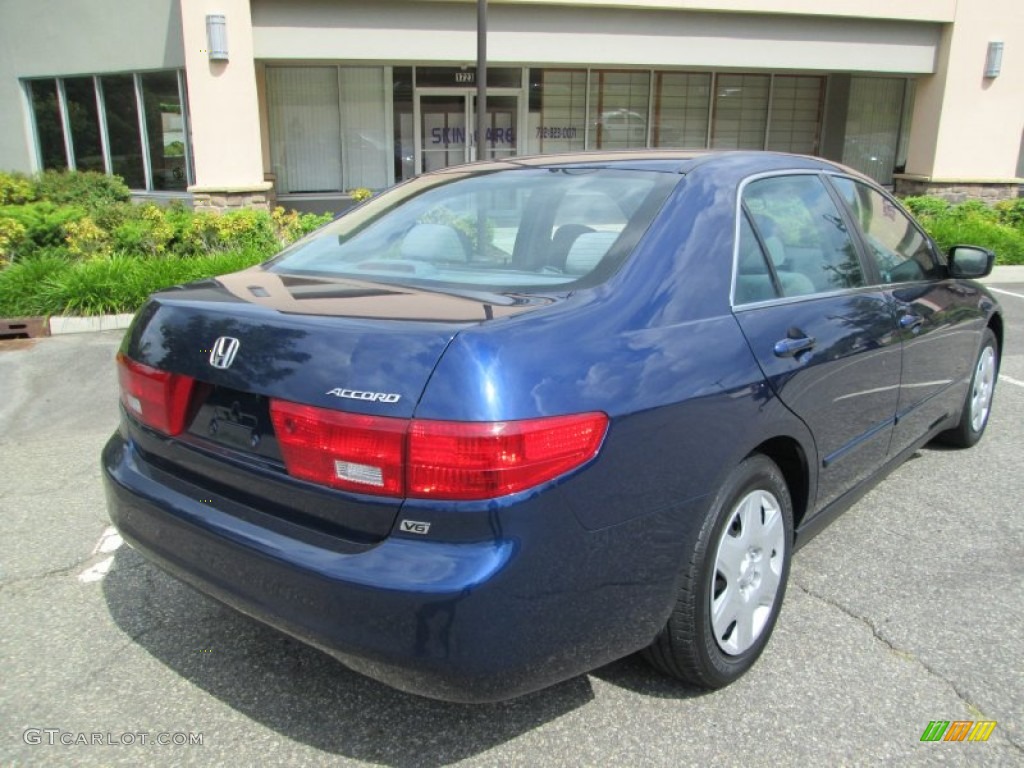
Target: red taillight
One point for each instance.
(344, 450)
(431, 459)
(469, 460)
(156, 398)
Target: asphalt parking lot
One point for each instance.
(908, 609)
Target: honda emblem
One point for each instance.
(222, 355)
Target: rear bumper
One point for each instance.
(539, 601)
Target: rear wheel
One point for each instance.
(978, 402)
(733, 585)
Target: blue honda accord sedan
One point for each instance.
(508, 422)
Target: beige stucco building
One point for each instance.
(239, 102)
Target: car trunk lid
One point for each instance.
(254, 337)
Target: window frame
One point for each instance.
(844, 213)
(28, 85)
(873, 273)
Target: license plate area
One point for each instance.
(237, 420)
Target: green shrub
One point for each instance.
(21, 283)
(16, 188)
(1007, 242)
(974, 210)
(120, 283)
(44, 223)
(85, 239)
(12, 237)
(247, 229)
(999, 228)
(1011, 212)
(289, 226)
(925, 206)
(112, 216)
(146, 233)
(88, 189)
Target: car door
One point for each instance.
(939, 318)
(824, 339)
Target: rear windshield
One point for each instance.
(529, 229)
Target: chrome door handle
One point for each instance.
(790, 347)
(910, 321)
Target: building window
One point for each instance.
(122, 118)
(558, 110)
(682, 102)
(873, 125)
(49, 124)
(366, 147)
(402, 116)
(795, 121)
(305, 136)
(619, 109)
(330, 127)
(91, 123)
(83, 120)
(741, 111)
(165, 130)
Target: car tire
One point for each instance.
(978, 401)
(732, 587)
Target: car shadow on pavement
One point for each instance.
(306, 695)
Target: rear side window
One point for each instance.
(805, 236)
(899, 250)
(754, 281)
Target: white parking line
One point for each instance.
(1008, 380)
(109, 542)
(96, 572)
(1007, 293)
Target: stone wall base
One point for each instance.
(957, 190)
(221, 200)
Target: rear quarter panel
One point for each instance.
(656, 348)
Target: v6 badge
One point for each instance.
(414, 526)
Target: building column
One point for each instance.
(223, 109)
(965, 136)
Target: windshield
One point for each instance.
(523, 229)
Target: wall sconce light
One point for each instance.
(994, 59)
(217, 36)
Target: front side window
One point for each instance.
(754, 280)
(804, 235)
(898, 248)
(524, 229)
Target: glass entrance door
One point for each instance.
(443, 139)
(447, 127)
(502, 122)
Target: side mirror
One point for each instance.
(970, 261)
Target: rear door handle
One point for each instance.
(791, 347)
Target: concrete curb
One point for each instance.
(1005, 274)
(61, 324)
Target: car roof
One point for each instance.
(663, 160)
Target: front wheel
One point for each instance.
(978, 402)
(732, 588)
